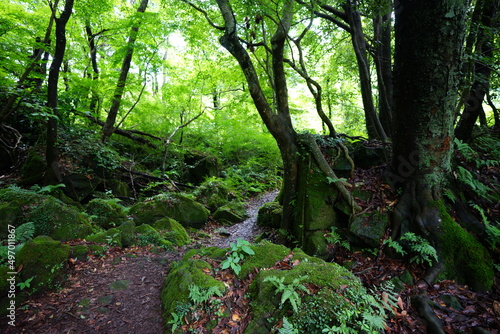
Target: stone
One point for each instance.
(106, 213)
(46, 261)
(80, 252)
(316, 245)
(270, 215)
(111, 237)
(232, 212)
(129, 237)
(172, 231)
(183, 209)
(369, 227)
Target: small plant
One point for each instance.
(419, 246)
(334, 238)
(287, 327)
(199, 295)
(25, 284)
(237, 253)
(290, 291)
(47, 190)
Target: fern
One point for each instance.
(200, 295)
(287, 327)
(289, 291)
(424, 251)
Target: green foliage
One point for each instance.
(237, 253)
(25, 284)
(492, 229)
(334, 238)
(290, 292)
(24, 233)
(48, 189)
(466, 177)
(420, 248)
(287, 327)
(200, 295)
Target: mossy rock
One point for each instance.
(33, 168)
(80, 252)
(148, 235)
(118, 188)
(270, 215)
(129, 237)
(202, 165)
(232, 212)
(46, 261)
(107, 213)
(172, 231)
(96, 250)
(185, 210)
(182, 275)
(213, 193)
(316, 245)
(112, 237)
(50, 216)
(465, 258)
(80, 186)
(369, 227)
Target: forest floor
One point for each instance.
(120, 292)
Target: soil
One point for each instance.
(120, 292)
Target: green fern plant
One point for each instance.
(200, 295)
(420, 247)
(287, 327)
(238, 251)
(290, 292)
(334, 238)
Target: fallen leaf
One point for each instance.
(236, 317)
(496, 308)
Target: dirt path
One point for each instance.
(118, 293)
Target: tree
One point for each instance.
(109, 125)
(51, 155)
(297, 151)
(484, 24)
(429, 37)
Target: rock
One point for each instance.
(183, 209)
(316, 245)
(335, 296)
(112, 237)
(33, 168)
(118, 188)
(80, 186)
(129, 237)
(106, 213)
(366, 157)
(270, 215)
(232, 212)
(46, 261)
(150, 236)
(80, 252)
(369, 227)
(201, 166)
(50, 216)
(213, 193)
(172, 231)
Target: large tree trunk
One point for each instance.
(109, 125)
(429, 38)
(52, 156)
(482, 69)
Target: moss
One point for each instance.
(33, 168)
(106, 213)
(179, 207)
(97, 250)
(149, 236)
(270, 215)
(266, 255)
(465, 259)
(112, 237)
(215, 253)
(213, 193)
(119, 188)
(172, 231)
(182, 275)
(316, 244)
(231, 212)
(44, 259)
(129, 237)
(80, 252)
(4, 284)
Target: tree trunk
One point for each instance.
(373, 125)
(52, 156)
(94, 97)
(383, 63)
(482, 71)
(109, 125)
(429, 38)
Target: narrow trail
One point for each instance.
(117, 293)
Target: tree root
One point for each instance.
(423, 305)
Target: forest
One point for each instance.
(238, 166)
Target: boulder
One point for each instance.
(213, 193)
(106, 213)
(232, 212)
(148, 235)
(369, 227)
(112, 237)
(183, 209)
(129, 237)
(172, 231)
(270, 215)
(46, 261)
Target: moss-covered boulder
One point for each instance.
(213, 193)
(185, 210)
(112, 237)
(106, 213)
(270, 215)
(201, 165)
(320, 294)
(80, 252)
(33, 168)
(317, 245)
(148, 235)
(46, 261)
(118, 188)
(369, 227)
(232, 212)
(129, 237)
(50, 216)
(172, 231)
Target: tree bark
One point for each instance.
(429, 39)
(482, 70)
(109, 125)
(51, 155)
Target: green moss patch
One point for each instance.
(105, 213)
(172, 231)
(111, 237)
(45, 260)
